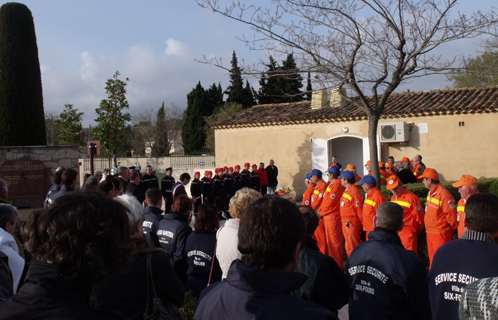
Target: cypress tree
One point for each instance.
(235, 88)
(193, 127)
(292, 82)
(270, 84)
(309, 88)
(22, 120)
(247, 96)
(161, 142)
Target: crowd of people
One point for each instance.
(271, 259)
(387, 263)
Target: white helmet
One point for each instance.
(114, 171)
(137, 166)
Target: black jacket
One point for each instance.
(228, 185)
(178, 190)
(245, 177)
(207, 189)
(272, 174)
(248, 293)
(200, 250)
(406, 176)
(456, 264)
(148, 181)
(386, 280)
(255, 181)
(152, 218)
(136, 191)
(173, 232)
(326, 284)
(127, 291)
(46, 295)
(195, 188)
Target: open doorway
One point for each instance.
(348, 150)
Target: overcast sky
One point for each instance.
(154, 43)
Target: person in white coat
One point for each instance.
(9, 221)
(227, 237)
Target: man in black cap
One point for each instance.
(167, 189)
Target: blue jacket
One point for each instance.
(150, 225)
(173, 231)
(456, 264)
(386, 280)
(248, 293)
(200, 250)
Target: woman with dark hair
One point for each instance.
(173, 232)
(200, 250)
(80, 239)
(126, 293)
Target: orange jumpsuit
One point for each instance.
(316, 201)
(331, 217)
(383, 177)
(440, 219)
(351, 207)
(307, 195)
(416, 172)
(413, 218)
(461, 216)
(374, 199)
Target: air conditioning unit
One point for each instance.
(396, 131)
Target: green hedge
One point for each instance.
(483, 185)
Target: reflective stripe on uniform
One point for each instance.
(328, 190)
(460, 209)
(402, 203)
(435, 201)
(347, 196)
(370, 202)
(316, 192)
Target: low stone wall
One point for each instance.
(50, 156)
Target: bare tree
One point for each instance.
(366, 46)
(143, 131)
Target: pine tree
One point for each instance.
(212, 100)
(234, 90)
(22, 119)
(111, 121)
(161, 143)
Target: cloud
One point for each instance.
(88, 67)
(174, 47)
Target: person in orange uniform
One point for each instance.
(310, 187)
(414, 213)
(440, 213)
(383, 173)
(352, 168)
(373, 199)
(389, 170)
(368, 167)
(330, 214)
(467, 186)
(316, 201)
(351, 207)
(417, 167)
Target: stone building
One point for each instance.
(454, 130)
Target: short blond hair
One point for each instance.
(241, 200)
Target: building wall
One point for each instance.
(447, 147)
(451, 149)
(289, 146)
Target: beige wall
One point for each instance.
(289, 146)
(453, 150)
(450, 149)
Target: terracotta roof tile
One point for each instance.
(407, 104)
